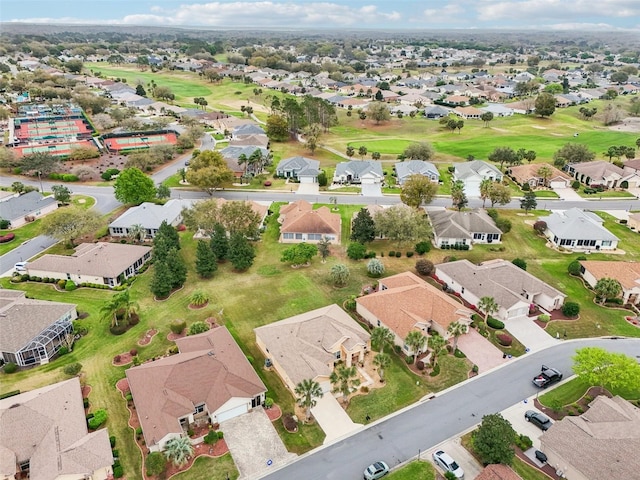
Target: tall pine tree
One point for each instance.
(162, 281)
(241, 252)
(206, 262)
(219, 242)
(177, 267)
(363, 228)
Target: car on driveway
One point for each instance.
(448, 464)
(376, 470)
(538, 419)
(547, 376)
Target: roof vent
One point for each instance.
(210, 353)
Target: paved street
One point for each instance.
(398, 438)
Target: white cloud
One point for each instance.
(573, 11)
(265, 14)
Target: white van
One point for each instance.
(20, 267)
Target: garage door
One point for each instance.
(234, 412)
(326, 387)
(558, 184)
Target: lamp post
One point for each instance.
(40, 178)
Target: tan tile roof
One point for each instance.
(22, 319)
(100, 259)
(498, 472)
(170, 388)
(627, 273)
(524, 173)
(608, 436)
(47, 426)
(303, 345)
(299, 217)
(411, 300)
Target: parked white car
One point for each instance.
(448, 464)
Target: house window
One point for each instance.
(606, 243)
(199, 408)
(379, 323)
(592, 243)
(477, 236)
(462, 290)
(337, 355)
(580, 243)
(314, 236)
(287, 236)
(298, 236)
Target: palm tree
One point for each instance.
(607, 288)
(119, 304)
(382, 361)
(545, 173)
(489, 306)
(179, 450)
(308, 390)
(455, 330)
(136, 232)
(485, 189)
(199, 298)
(381, 337)
(437, 343)
(243, 160)
(415, 341)
(344, 379)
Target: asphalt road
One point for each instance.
(398, 438)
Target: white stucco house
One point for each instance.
(578, 230)
(473, 173)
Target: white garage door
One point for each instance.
(234, 412)
(326, 386)
(558, 184)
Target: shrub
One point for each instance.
(503, 224)
(109, 174)
(520, 263)
(523, 442)
(220, 434)
(10, 367)
(85, 404)
(7, 238)
(575, 185)
(425, 267)
(398, 254)
(156, 464)
(70, 286)
(198, 327)
(544, 318)
(133, 352)
(574, 268)
(364, 389)
(408, 359)
(267, 183)
(112, 441)
(570, 309)
(392, 253)
(72, 369)
(178, 326)
(504, 339)
(526, 187)
(422, 247)
(495, 323)
(289, 423)
(99, 417)
(211, 437)
(138, 431)
(63, 351)
(136, 361)
(128, 397)
(436, 370)
(268, 402)
(134, 319)
(118, 329)
(420, 365)
(475, 368)
(356, 251)
(375, 268)
(409, 254)
(4, 224)
(118, 472)
(493, 213)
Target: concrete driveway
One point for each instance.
(332, 418)
(307, 189)
(461, 455)
(529, 334)
(567, 194)
(254, 444)
(515, 415)
(480, 351)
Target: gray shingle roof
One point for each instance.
(18, 207)
(453, 224)
(578, 224)
(301, 166)
(150, 215)
(475, 168)
(416, 167)
(248, 129)
(22, 319)
(358, 168)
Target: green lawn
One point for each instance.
(605, 194)
(207, 468)
(571, 391)
(416, 470)
(526, 471)
(546, 194)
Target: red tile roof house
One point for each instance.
(627, 273)
(513, 289)
(405, 303)
(100, 263)
(307, 346)
(44, 436)
(496, 471)
(602, 443)
(209, 380)
(299, 222)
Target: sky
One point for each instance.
(589, 15)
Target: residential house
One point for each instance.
(209, 380)
(528, 173)
(247, 129)
(457, 100)
(44, 436)
(634, 222)
(632, 165)
(468, 113)
(303, 169)
(435, 112)
(596, 173)
(603, 442)
(405, 302)
(32, 330)
(100, 263)
(238, 159)
(260, 208)
(257, 141)
(473, 173)
(627, 273)
(578, 230)
(359, 171)
(299, 222)
(513, 289)
(149, 216)
(497, 471)
(405, 169)
(462, 228)
(307, 346)
(498, 109)
(26, 208)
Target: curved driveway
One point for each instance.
(399, 438)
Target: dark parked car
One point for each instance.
(538, 419)
(376, 470)
(548, 376)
